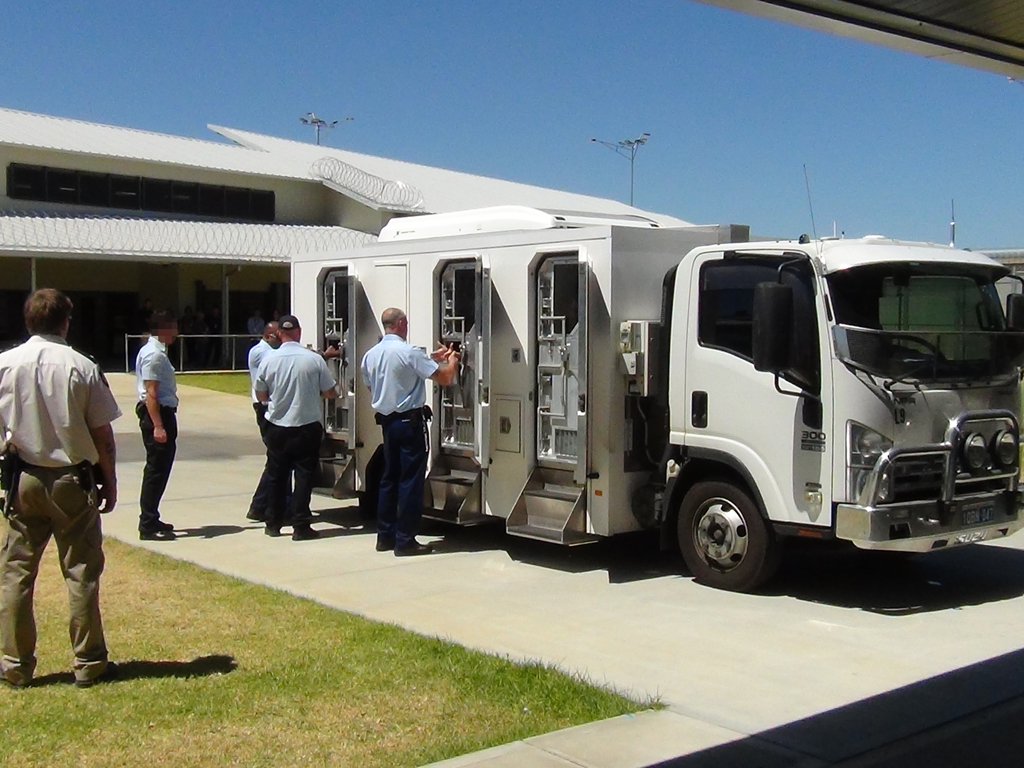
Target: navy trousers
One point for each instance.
(292, 450)
(400, 501)
(159, 460)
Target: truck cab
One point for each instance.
(865, 390)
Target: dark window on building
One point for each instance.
(124, 192)
(186, 197)
(132, 193)
(262, 205)
(26, 182)
(61, 186)
(94, 189)
(157, 196)
(236, 203)
(211, 200)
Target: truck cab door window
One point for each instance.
(726, 310)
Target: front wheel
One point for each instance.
(724, 540)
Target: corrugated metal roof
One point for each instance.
(443, 191)
(27, 129)
(377, 181)
(120, 238)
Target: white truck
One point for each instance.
(619, 376)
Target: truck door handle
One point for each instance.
(699, 409)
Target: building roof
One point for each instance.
(381, 183)
(437, 190)
(117, 238)
(27, 129)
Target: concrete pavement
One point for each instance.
(846, 656)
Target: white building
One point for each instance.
(114, 216)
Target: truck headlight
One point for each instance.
(975, 451)
(1005, 449)
(865, 447)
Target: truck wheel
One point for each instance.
(724, 540)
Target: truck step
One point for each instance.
(566, 538)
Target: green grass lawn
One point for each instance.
(220, 672)
(235, 383)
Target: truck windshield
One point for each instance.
(923, 322)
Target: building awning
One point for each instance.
(984, 34)
(162, 240)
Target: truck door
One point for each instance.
(552, 506)
(338, 329)
(458, 472)
(734, 413)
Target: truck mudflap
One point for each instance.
(923, 527)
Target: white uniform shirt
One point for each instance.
(395, 370)
(294, 377)
(152, 364)
(50, 397)
(256, 355)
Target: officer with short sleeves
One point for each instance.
(55, 413)
(395, 372)
(293, 382)
(157, 410)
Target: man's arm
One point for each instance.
(448, 370)
(153, 408)
(103, 439)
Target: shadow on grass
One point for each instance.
(204, 666)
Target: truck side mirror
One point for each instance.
(773, 326)
(1015, 311)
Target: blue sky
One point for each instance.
(736, 106)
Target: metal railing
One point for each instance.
(195, 351)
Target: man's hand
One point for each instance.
(440, 354)
(107, 493)
(160, 434)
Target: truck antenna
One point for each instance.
(810, 205)
(952, 223)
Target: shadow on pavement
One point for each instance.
(203, 666)
(831, 573)
(209, 531)
(967, 717)
(899, 585)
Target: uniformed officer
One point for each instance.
(56, 411)
(395, 372)
(157, 411)
(269, 342)
(292, 381)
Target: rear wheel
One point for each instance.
(724, 540)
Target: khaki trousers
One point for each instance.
(51, 502)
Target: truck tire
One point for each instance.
(725, 542)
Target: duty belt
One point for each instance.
(416, 414)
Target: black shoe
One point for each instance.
(255, 514)
(385, 544)
(415, 548)
(160, 534)
(11, 684)
(108, 674)
(272, 530)
(162, 526)
(305, 533)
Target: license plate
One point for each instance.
(978, 515)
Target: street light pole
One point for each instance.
(627, 148)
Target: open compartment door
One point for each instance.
(552, 505)
(455, 483)
(338, 329)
